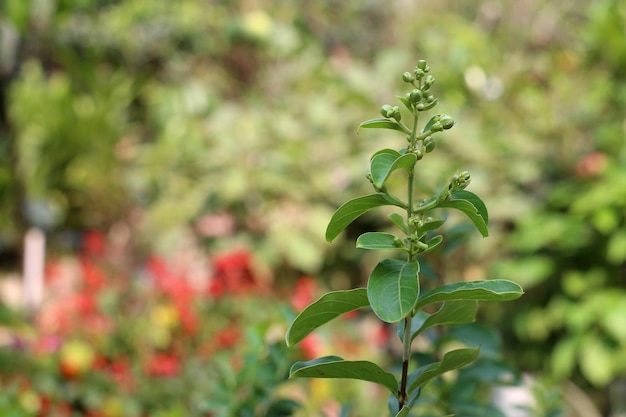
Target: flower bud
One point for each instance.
(460, 181)
(416, 96)
(418, 73)
(428, 81)
(386, 110)
(421, 64)
(396, 113)
(430, 105)
(436, 127)
(429, 144)
(446, 121)
(407, 77)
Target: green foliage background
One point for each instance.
(157, 113)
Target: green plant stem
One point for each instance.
(406, 355)
(406, 350)
(414, 138)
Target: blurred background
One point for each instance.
(177, 163)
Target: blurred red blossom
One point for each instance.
(234, 274)
(94, 243)
(163, 365)
(305, 292)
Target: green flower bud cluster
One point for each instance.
(391, 112)
(420, 99)
(441, 122)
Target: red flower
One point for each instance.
(172, 284)
(163, 365)
(227, 337)
(94, 244)
(93, 276)
(188, 320)
(233, 274)
(311, 346)
(304, 293)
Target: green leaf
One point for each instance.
(450, 313)
(432, 243)
(382, 123)
(378, 240)
(486, 290)
(404, 412)
(336, 367)
(393, 289)
(326, 308)
(392, 152)
(398, 220)
(380, 165)
(383, 164)
(452, 360)
(432, 225)
(352, 209)
(406, 103)
(470, 204)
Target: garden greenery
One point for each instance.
(394, 290)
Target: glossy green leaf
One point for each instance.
(378, 240)
(452, 360)
(326, 308)
(352, 209)
(486, 290)
(336, 367)
(383, 164)
(382, 123)
(450, 313)
(432, 225)
(393, 289)
(380, 165)
(473, 207)
(399, 221)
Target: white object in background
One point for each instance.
(34, 259)
(515, 401)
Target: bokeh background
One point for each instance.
(183, 159)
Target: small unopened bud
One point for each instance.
(407, 77)
(436, 127)
(428, 82)
(419, 74)
(429, 144)
(416, 96)
(386, 110)
(460, 181)
(396, 113)
(446, 121)
(421, 64)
